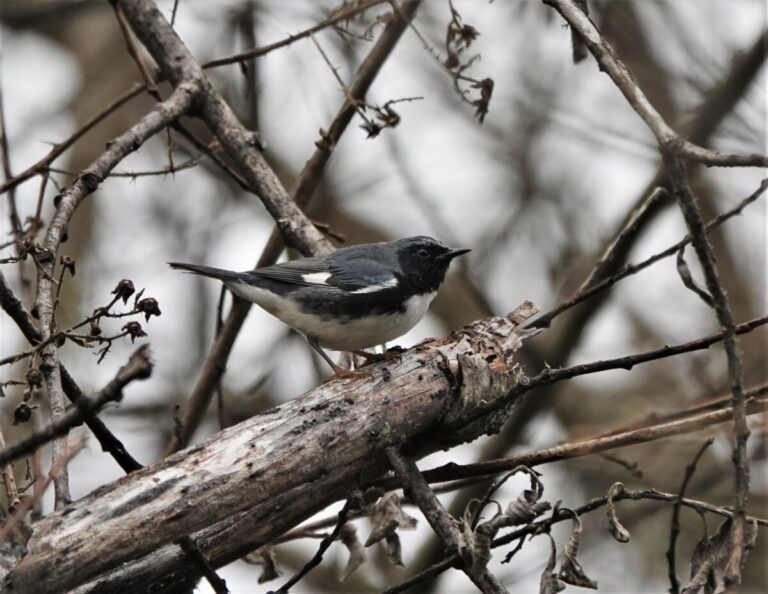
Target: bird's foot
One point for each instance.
(370, 358)
(341, 373)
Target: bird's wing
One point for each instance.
(356, 274)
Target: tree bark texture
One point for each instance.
(248, 484)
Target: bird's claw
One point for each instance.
(348, 374)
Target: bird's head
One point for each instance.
(424, 261)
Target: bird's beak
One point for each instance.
(453, 253)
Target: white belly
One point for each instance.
(351, 335)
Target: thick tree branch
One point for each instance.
(298, 458)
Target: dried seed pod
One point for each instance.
(124, 290)
(348, 536)
(68, 264)
(617, 530)
(149, 306)
(134, 330)
(34, 377)
(22, 413)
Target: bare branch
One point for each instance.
(166, 112)
(336, 17)
(719, 302)
(680, 424)
(610, 63)
(139, 366)
(441, 521)
(590, 287)
(59, 148)
(674, 528)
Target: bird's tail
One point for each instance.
(219, 273)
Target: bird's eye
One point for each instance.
(422, 253)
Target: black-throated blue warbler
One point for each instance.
(351, 299)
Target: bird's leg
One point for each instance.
(338, 372)
(371, 358)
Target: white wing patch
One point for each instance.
(316, 278)
(387, 284)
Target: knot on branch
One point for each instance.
(486, 369)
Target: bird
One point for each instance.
(351, 299)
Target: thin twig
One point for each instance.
(550, 375)
(318, 556)
(134, 51)
(629, 227)
(757, 403)
(40, 486)
(171, 169)
(346, 13)
(6, 161)
(590, 289)
(441, 521)
(674, 528)
(693, 219)
(58, 148)
(139, 366)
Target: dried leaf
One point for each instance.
(710, 554)
(348, 537)
(481, 104)
(386, 517)
(149, 306)
(549, 584)
(688, 280)
(571, 571)
(394, 549)
(709, 563)
(618, 531)
(523, 510)
(264, 556)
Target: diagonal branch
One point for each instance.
(624, 80)
(441, 521)
(592, 285)
(757, 403)
(719, 302)
(88, 181)
(243, 146)
(674, 528)
(297, 458)
(139, 366)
